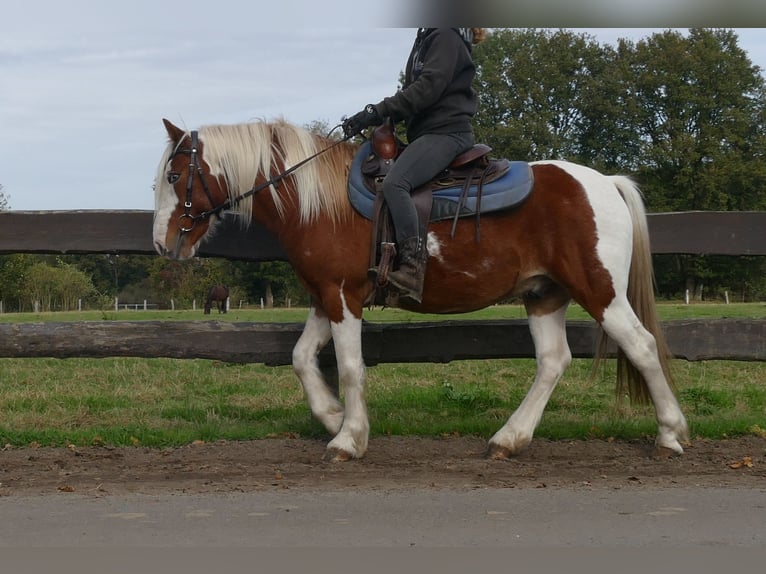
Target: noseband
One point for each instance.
(187, 221)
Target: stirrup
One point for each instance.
(379, 275)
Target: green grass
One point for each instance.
(160, 402)
(667, 312)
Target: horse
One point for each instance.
(219, 294)
(580, 235)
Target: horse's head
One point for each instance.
(188, 198)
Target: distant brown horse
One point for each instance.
(219, 294)
(580, 235)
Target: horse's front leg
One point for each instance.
(323, 403)
(351, 441)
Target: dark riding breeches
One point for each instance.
(420, 161)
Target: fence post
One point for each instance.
(116, 304)
(172, 305)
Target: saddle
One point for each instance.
(472, 184)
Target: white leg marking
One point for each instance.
(553, 357)
(622, 325)
(354, 434)
(324, 406)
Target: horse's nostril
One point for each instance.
(160, 248)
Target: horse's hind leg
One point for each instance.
(553, 356)
(624, 328)
(322, 401)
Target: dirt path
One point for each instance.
(392, 463)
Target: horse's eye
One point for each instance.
(173, 177)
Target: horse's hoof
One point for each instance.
(336, 455)
(497, 452)
(663, 452)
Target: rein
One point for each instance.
(194, 166)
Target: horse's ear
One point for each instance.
(175, 133)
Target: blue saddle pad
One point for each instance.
(505, 192)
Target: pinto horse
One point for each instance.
(217, 294)
(579, 236)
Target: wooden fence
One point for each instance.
(715, 233)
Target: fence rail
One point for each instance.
(433, 342)
(694, 232)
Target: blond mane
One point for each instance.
(240, 153)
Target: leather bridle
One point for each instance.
(194, 166)
(187, 221)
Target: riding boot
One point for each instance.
(408, 279)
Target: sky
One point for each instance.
(84, 84)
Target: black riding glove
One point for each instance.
(369, 116)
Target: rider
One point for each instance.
(437, 102)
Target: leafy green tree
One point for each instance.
(4, 206)
(187, 281)
(57, 287)
(700, 121)
(178, 281)
(534, 87)
(273, 281)
(112, 273)
(13, 269)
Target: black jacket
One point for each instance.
(437, 95)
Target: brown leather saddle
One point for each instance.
(472, 167)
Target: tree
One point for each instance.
(189, 280)
(111, 273)
(13, 269)
(534, 89)
(700, 121)
(57, 287)
(179, 281)
(4, 205)
(272, 281)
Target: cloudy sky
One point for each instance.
(84, 84)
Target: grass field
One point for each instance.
(156, 402)
(667, 312)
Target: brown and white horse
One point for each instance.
(579, 236)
